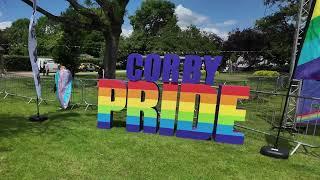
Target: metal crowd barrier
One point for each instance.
(264, 107)
(2, 84)
(90, 93)
(85, 90)
(264, 112)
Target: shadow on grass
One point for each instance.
(63, 115)
(285, 143)
(5, 149)
(15, 125)
(12, 124)
(118, 123)
(312, 154)
(289, 144)
(58, 127)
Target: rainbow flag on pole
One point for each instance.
(308, 65)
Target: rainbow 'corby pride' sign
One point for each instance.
(187, 109)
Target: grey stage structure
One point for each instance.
(295, 89)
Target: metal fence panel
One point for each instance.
(264, 107)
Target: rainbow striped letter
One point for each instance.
(137, 103)
(168, 109)
(207, 107)
(112, 97)
(228, 114)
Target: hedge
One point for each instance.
(22, 63)
(266, 73)
(16, 63)
(95, 61)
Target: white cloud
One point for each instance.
(5, 24)
(230, 22)
(126, 31)
(211, 29)
(187, 17)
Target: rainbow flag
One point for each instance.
(308, 111)
(308, 65)
(308, 119)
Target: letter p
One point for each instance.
(112, 96)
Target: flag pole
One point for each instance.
(32, 48)
(38, 112)
(275, 151)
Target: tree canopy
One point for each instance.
(153, 16)
(105, 16)
(155, 29)
(93, 27)
(273, 35)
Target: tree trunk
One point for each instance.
(1, 65)
(110, 53)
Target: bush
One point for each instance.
(92, 60)
(17, 63)
(203, 72)
(266, 73)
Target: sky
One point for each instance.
(217, 16)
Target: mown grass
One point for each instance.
(69, 146)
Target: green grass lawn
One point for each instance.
(69, 146)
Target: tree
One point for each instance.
(152, 16)
(105, 16)
(4, 40)
(91, 43)
(193, 39)
(48, 34)
(18, 37)
(65, 52)
(272, 35)
(279, 29)
(280, 2)
(154, 26)
(155, 29)
(246, 40)
(167, 38)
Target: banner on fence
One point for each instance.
(203, 111)
(32, 48)
(308, 65)
(309, 109)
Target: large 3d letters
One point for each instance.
(142, 99)
(228, 114)
(168, 109)
(203, 127)
(188, 109)
(112, 96)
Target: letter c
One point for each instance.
(133, 61)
